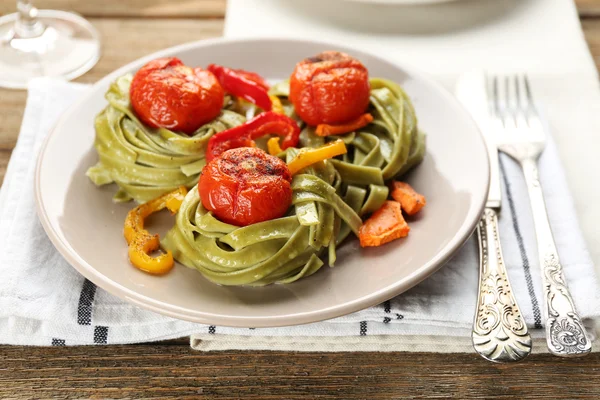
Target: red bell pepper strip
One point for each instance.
(265, 123)
(254, 77)
(244, 84)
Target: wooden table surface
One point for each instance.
(131, 29)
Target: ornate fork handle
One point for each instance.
(565, 333)
(499, 331)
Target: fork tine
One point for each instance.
(495, 97)
(507, 103)
(520, 114)
(523, 100)
(514, 100)
(511, 105)
(530, 102)
(489, 95)
(518, 102)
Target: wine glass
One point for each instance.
(36, 43)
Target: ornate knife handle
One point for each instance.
(565, 333)
(499, 331)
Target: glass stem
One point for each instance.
(27, 25)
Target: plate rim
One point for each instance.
(465, 231)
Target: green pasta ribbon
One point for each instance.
(328, 201)
(144, 162)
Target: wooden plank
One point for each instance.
(588, 8)
(131, 8)
(124, 41)
(591, 29)
(160, 371)
(12, 103)
(4, 157)
(129, 39)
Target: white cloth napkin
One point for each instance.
(44, 301)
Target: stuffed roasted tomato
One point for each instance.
(246, 185)
(329, 88)
(165, 93)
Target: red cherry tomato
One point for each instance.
(165, 93)
(244, 186)
(329, 88)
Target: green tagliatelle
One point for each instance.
(145, 162)
(329, 199)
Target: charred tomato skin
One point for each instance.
(329, 88)
(244, 186)
(165, 93)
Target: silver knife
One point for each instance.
(499, 330)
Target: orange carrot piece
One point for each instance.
(411, 201)
(385, 225)
(339, 129)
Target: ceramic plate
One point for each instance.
(86, 226)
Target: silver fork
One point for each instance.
(523, 138)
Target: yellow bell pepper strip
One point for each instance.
(141, 242)
(139, 254)
(351, 126)
(309, 156)
(273, 146)
(276, 104)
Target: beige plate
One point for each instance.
(86, 227)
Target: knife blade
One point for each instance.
(471, 91)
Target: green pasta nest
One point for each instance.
(329, 199)
(282, 250)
